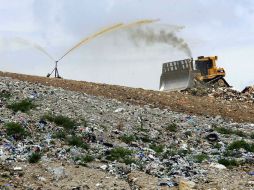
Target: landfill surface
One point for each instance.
(97, 136)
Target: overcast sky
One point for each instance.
(211, 27)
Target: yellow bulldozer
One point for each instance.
(183, 74)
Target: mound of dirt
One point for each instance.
(234, 109)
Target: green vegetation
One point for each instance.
(128, 138)
(146, 139)
(169, 153)
(16, 130)
(78, 142)
(60, 120)
(23, 106)
(223, 130)
(172, 127)
(5, 95)
(34, 157)
(226, 131)
(200, 158)
(183, 152)
(59, 135)
(228, 163)
(121, 154)
(252, 136)
(84, 159)
(157, 148)
(236, 145)
(217, 145)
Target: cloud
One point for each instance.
(216, 27)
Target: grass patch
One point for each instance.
(228, 163)
(78, 142)
(146, 139)
(240, 133)
(128, 138)
(5, 95)
(15, 130)
(23, 106)
(59, 135)
(217, 145)
(236, 145)
(34, 157)
(172, 127)
(142, 129)
(83, 160)
(60, 120)
(200, 158)
(223, 130)
(169, 153)
(157, 148)
(121, 154)
(183, 152)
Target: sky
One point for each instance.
(214, 27)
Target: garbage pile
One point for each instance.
(41, 124)
(227, 94)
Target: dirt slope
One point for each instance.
(176, 101)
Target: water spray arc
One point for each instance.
(97, 34)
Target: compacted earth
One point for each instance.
(64, 134)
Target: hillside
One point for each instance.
(64, 134)
(232, 105)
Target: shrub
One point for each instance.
(34, 157)
(241, 144)
(240, 133)
(59, 135)
(48, 117)
(5, 95)
(169, 153)
(228, 163)
(183, 152)
(200, 157)
(217, 145)
(172, 127)
(120, 154)
(146, 139)
(84, 159)
(66, 122)
(223, 130)
(16, 130)
(157, 148)
(128, 138)
(226, 131)
(128, 160)
(78, 142)
(60, 120)
(23, 106)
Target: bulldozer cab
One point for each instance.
(207, 68)
(203, 65)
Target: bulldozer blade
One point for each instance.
(177, 75)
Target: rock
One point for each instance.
(218, 166)
(58, 173)
(186, 185)
(17, 168)
(104, 167)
